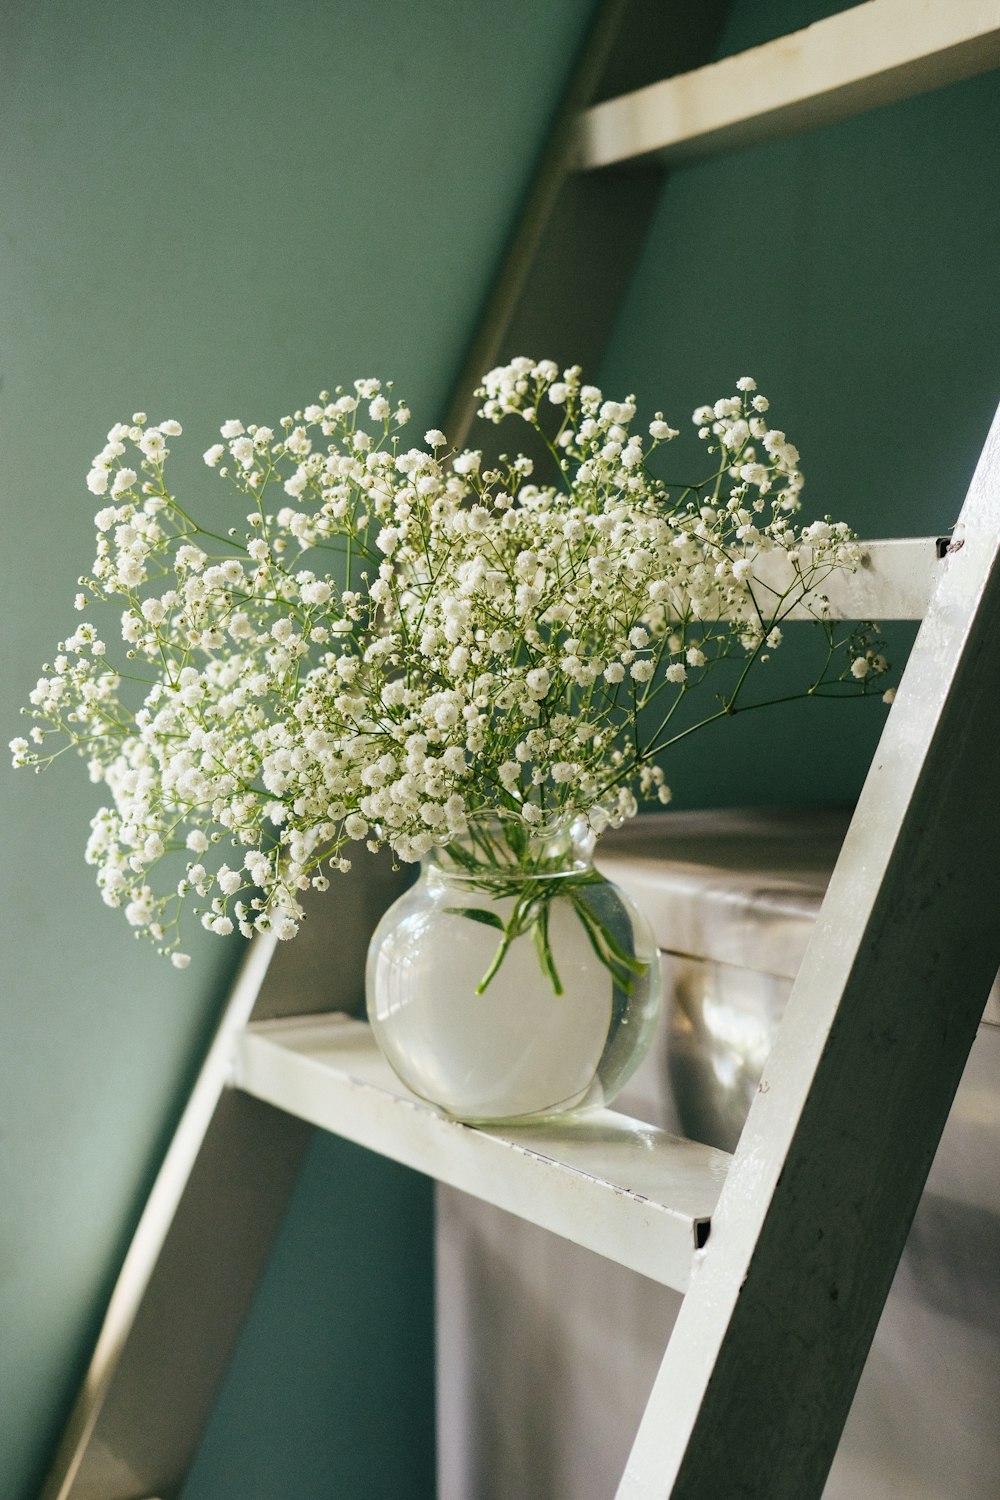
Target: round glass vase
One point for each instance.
(513, 981)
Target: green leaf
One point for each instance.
(477, 914)
(462, 856)
(606, 937)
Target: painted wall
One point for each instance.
(207, 210)
(852, 271)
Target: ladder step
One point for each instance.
(626, 1190)
(863, 57)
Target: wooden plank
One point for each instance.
(894, 582)
(572, 253)
(217, 1201)
(621, 1188)
(869, 55)
(771, 1340)
(526, 251)
(207, 1228)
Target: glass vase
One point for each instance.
(513, 981)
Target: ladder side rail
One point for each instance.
(225, 1180)
(772, 1337)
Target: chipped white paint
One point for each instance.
(614, 1185)
(858, 59)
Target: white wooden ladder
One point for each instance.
(786, 1250)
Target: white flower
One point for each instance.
(317, 591)
(153, 611)
(467, 634)
(180, 960)
(510, 775)
(122, 482)
(243, 451)
(138, 913)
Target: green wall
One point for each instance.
(208, 210)
(211, 210)
(853, 271)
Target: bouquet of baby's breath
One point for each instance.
(406, 639)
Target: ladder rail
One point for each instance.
(772, 1337)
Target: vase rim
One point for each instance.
(566, 839)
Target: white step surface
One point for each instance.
(626, 1190)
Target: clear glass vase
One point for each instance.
(513, 981)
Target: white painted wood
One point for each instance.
(771, 1339)
(626, 1190)
(157, 1217)
(869, 55)
(894, 582)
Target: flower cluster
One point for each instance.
(404, 636)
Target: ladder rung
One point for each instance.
(863, 57)
(626, 1190)
(894, 582)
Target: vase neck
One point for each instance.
(495, 848)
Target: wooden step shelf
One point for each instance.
(626, 1190)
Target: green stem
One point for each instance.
(533, 898)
